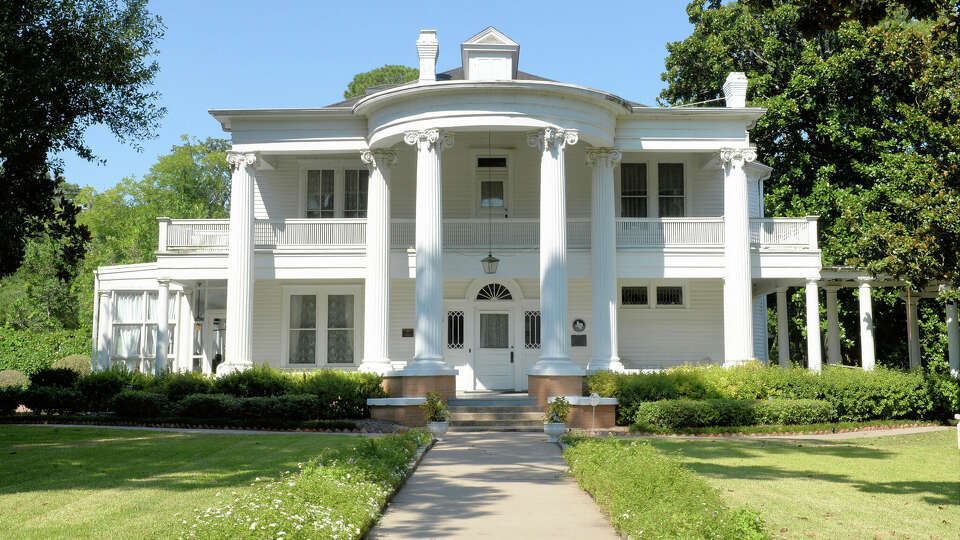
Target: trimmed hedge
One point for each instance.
(857, 395)
(52, 400)
(341, 394)
(76, 362)
(99, 389)
(137, 404)
(12, 377)
(28, 351)
(689, 413)
(209, 406)
(10, 399)
(59, 377)
(258, 381)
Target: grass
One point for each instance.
(112, 483)
(832, 427)
(648, 494)
(898, 486)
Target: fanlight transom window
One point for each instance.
(494, 291)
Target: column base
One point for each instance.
(605, 364)
(738, 363)
(542, 387)
(227, 368)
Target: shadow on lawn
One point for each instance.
(710, 452)
(77, 459)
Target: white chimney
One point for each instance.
(428, 48)
(735, 89)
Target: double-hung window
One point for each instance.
(355, 193)
(336, 192)
(671, 201)
(135, 328)
(633, 190)
(321, 194)
(492, 174)
(321, 326)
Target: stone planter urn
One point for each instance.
(554, 430)
(438, 429)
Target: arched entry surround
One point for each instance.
(481, 368)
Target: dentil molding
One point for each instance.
(550, 137)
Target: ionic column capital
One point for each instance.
(551, 137)
(240, 159)
(426, 138)
(163, 282)
(601, 157)
(378, 159)
(737, 156)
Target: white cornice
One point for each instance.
(226, 116)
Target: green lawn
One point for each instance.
(884, 487)
(111, 483)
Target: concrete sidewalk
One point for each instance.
(492, 485)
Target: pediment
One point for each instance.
(491, 36)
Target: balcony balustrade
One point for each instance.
(212, 235)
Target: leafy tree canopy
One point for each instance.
(388, 74)
(863, 121)
(66, 65)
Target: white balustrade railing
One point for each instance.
(213, 234)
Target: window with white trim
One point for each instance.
(670, 296)
(338, 191)
(670, 191)
(355, 183)
(633, 296)
(633, 190)
(320, 326)
(531, 329)
(321, 191)
(455, 329)
(492, 173)
(134, 329)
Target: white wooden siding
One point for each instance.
(760, 329)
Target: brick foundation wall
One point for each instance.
(406, 415)
(581, 417)
(418, 386)
(544, 386)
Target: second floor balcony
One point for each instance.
(707, 233)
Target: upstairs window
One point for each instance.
(355, 193)
(321, 194)
(671, 199)
(492, 174)
(633, 190)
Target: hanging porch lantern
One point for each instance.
(490, 263)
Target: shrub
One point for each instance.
(61, 377)
(258, 381)
(79, 363)
(647, 493)
(208, 406)
(278, 409)
(99, 388)
(434, 408)
(856, 395)
(10, 398)
(139, 404)
(688, 413)
(52, 399)
(557, 410)
(12, 377)
(28, 351)
(177, 386)
(341, 394)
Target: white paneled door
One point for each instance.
(493, 359)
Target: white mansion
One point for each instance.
(482, 223)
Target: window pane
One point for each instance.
(303, 347)
(355, 193)
(340, 311)
(340, 346)
(633, 296)
(494, 331)
(454, 329)
(671, 207)
(633, 207)
(633, 179)
(129, 307)
(669, 296)
(491, 194)
(498, 162)
(320, 194)
(152, 306)
(150, 344)
(126, 341)
(303, 311)
(531, 329)
(671, 179)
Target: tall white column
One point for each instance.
(376, 314)
(105, 340)
(603, 250)
(554, 347)
(783, 329)
(814, 356)
(239, 340)
(868, 356)
(428, 336)
(833, 327)
(737, 283)
(163, 325)
(953, 339)
(913, 332)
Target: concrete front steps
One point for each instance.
(494, 412)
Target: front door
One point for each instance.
(493, 361)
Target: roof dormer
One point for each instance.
(490, 56)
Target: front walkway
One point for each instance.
(492, 485)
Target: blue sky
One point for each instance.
(246, 54)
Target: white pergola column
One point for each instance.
(814, 356)
(603, 251)
(376, 313)
(239, 340)
(783, 329)
(105, 330)
(953, 339)
(554, 345)
(913, 332)
(737, 289)
(868, 355)
(428, 336)
(163, 326)
(833, 327)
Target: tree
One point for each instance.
(66, 65)
(388, 74)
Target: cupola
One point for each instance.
(490, 56)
